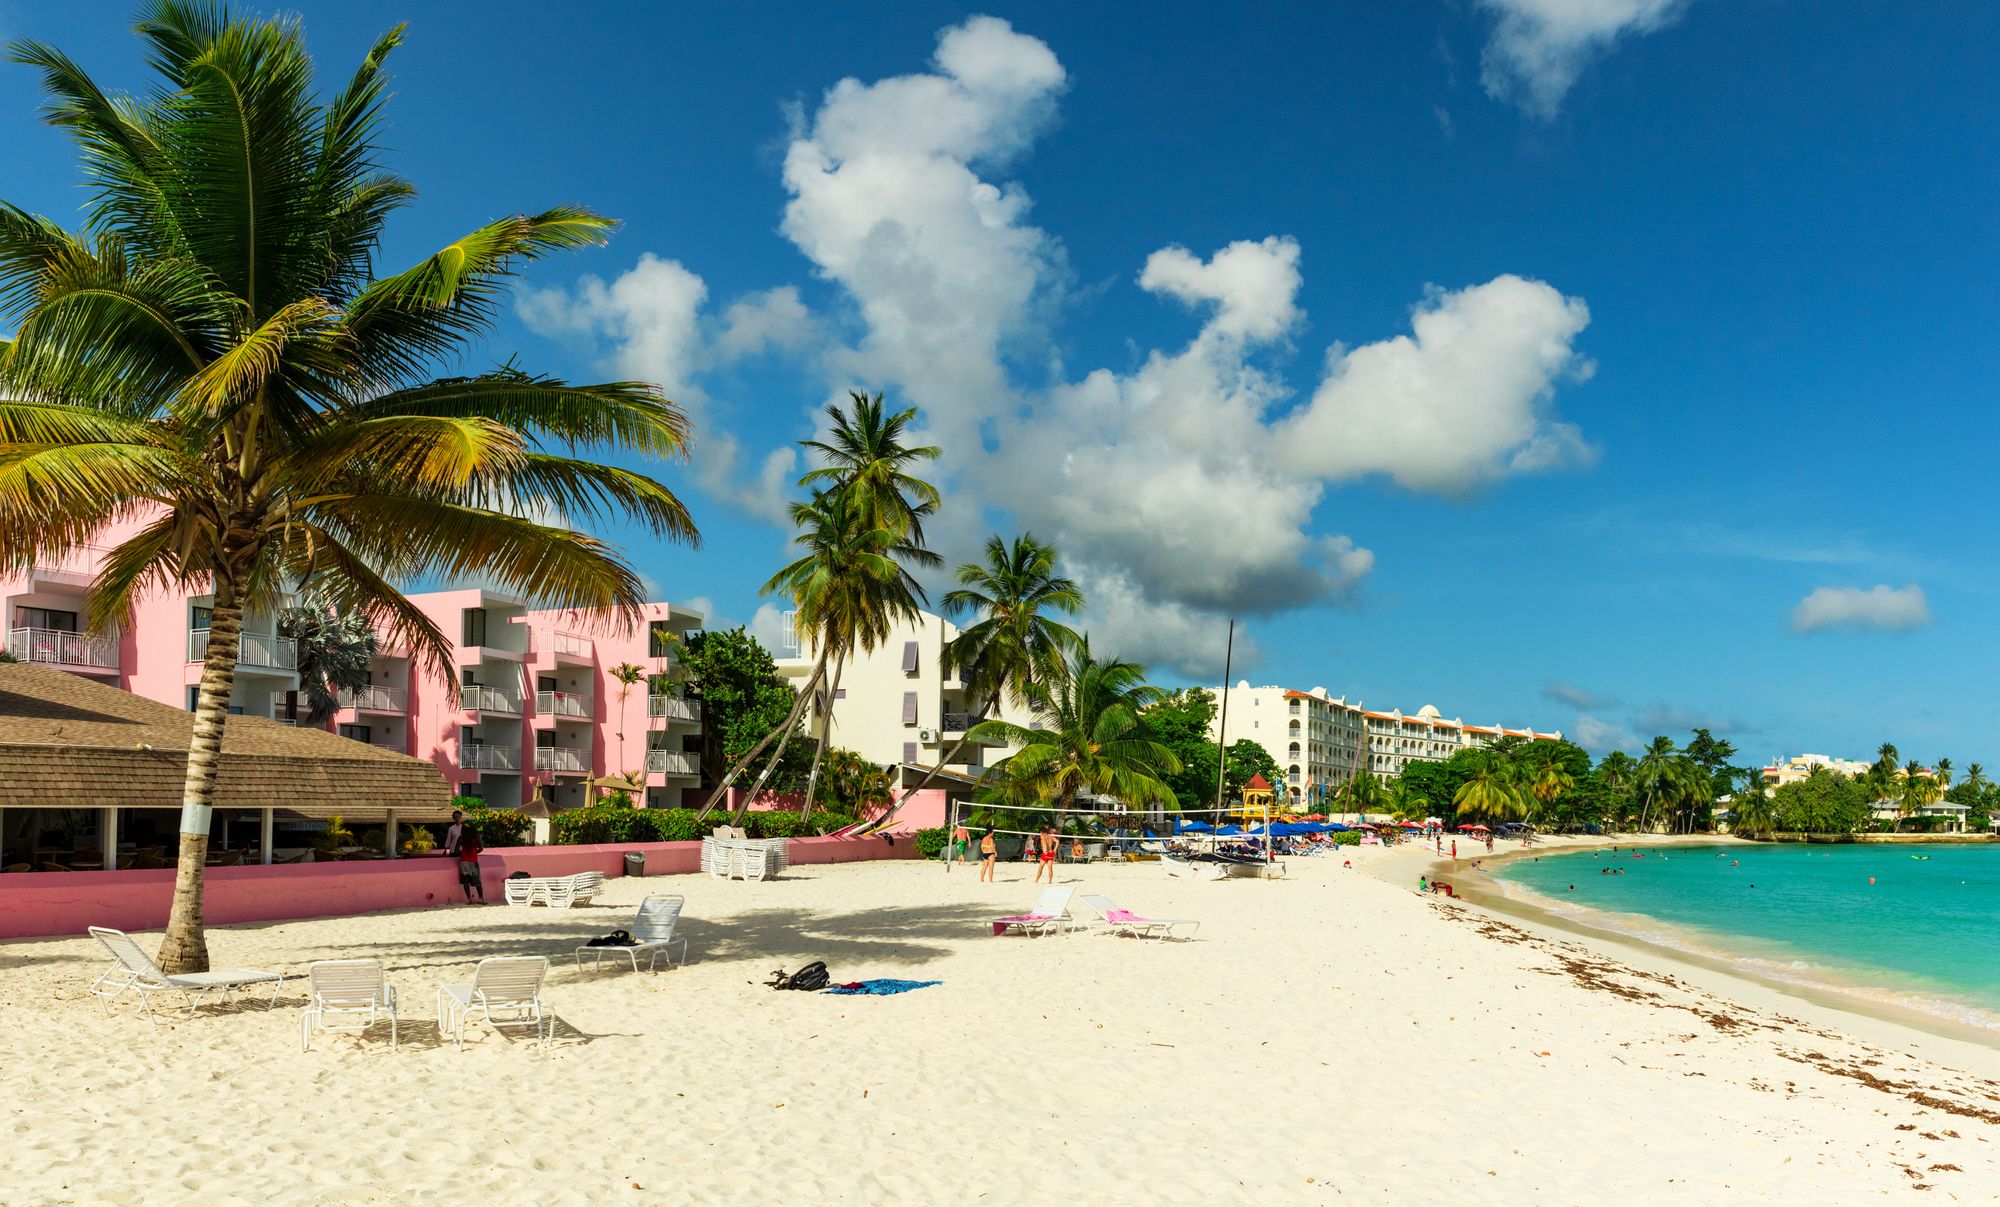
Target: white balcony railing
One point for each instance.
(673, 762)
(480, 698)
(488, 758)
(375, 698)
(58, 648)
(673, 708)
(569, 645)
(560, 759)
(257, 649)
(562, 704)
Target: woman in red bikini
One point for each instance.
(1047, 839)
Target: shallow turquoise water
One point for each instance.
(1925, 933)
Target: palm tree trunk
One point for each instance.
(777, 756)
(985, 710)
(185, 947)
(750, 756)
(825, 736)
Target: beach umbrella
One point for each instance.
(1182, 826)
(1334, 827)
(1410, 825)
(1230, 830)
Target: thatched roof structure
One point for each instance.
(70, 742)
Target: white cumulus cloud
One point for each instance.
(1600, 736)
(1878, 607)
(1540, 47)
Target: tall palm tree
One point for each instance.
(628, 676)
(849, 587)
(1975, 776)
(1363, 794)
(1086, 735)
(1407, 802)
(1918, 789)
(1656, 776)
(864, 456)
(1016, 641)
(1551, 783)
(215, 358)
(1887, 756)
(1944, 773)
(1618, 773)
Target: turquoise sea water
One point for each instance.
(1925, 934)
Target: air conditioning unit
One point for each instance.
(927, 735)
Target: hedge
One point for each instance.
(611, 824)
(930, 842)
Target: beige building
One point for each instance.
(1798, 767)
(1319, 741)
(895, 704)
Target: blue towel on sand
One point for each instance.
(882, 987)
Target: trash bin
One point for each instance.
(635, 863)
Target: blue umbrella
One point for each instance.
(1183, 826)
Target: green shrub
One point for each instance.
(1346, 838)
(932, 841)
(497, 827)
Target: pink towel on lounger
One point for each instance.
(1000, 925)
(1122, 915)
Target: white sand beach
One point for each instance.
(1333, 1037)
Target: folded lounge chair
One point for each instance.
(654, 930)
(133, 969)
(351, 990)
(1124, 922)
(1050, 916)
(509, 986)
(556, 892)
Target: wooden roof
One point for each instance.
(70, 742)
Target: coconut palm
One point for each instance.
(849, 588)
(1656, 776)
(1016, 641)
(1618, 773)
(1550, 783)
(1755, 814)
(1407, 802)
(628, 676)
(1944, 773)
(1085, 736)
(1363, 794)
(1975, 777)
(215, 358)
(865, 457)
(1491, 792)
(335, 653)
(1887, 756)
(1918, 789)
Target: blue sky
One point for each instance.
(1604, 365)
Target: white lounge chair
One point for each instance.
(1124, 922)
(556, 892)
(509, 986)
(1050, 916)
(351, 990)
(133, 969)
(654, 930)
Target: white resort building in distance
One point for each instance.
(896, 705)
(1319, 742)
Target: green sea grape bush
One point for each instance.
(497, 827)
(932, 841)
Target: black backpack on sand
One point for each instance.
(811, 978)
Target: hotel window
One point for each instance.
(201, 615)
(360, 733)
(468, 736)
(909, 658)
(909, 708)
(45, 618)
(472, 626)
(659, 638)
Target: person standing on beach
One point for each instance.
(960, 839)
(989, 855)
(468, 864)
(452, 835)
(1454, 848)
(1047, 842)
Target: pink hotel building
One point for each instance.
(537, 706)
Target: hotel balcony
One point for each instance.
(488, 758)
(672, 762)
(81, 652)
(375, 698)
(571, 649)
(561, 760)
(673, 708)
(954, 724)
(480, 698)
(259, 651)
(563, 706)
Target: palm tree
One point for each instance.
(1887, 756)
(1656, 776)
(335, 652)
(1755, 815)
(1918, 790)
(215, 357)
(1085, 739)
(1490, 792)
(865, 456)
(1618, 773)
(849, 588)
(1944, 773)
(1975, 777)
(1016, 640)
(628, 676)
(1362, 794)
(1551, 783)
(1407, 802)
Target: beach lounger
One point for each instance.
(350, 990)
(556, 892)
(654, 930)
(1124, 922)
(1050, 916)
(133, 969)
(506, 991)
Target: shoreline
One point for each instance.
(1852, 1006)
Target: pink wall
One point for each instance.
(925, 809)
(36, 904)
